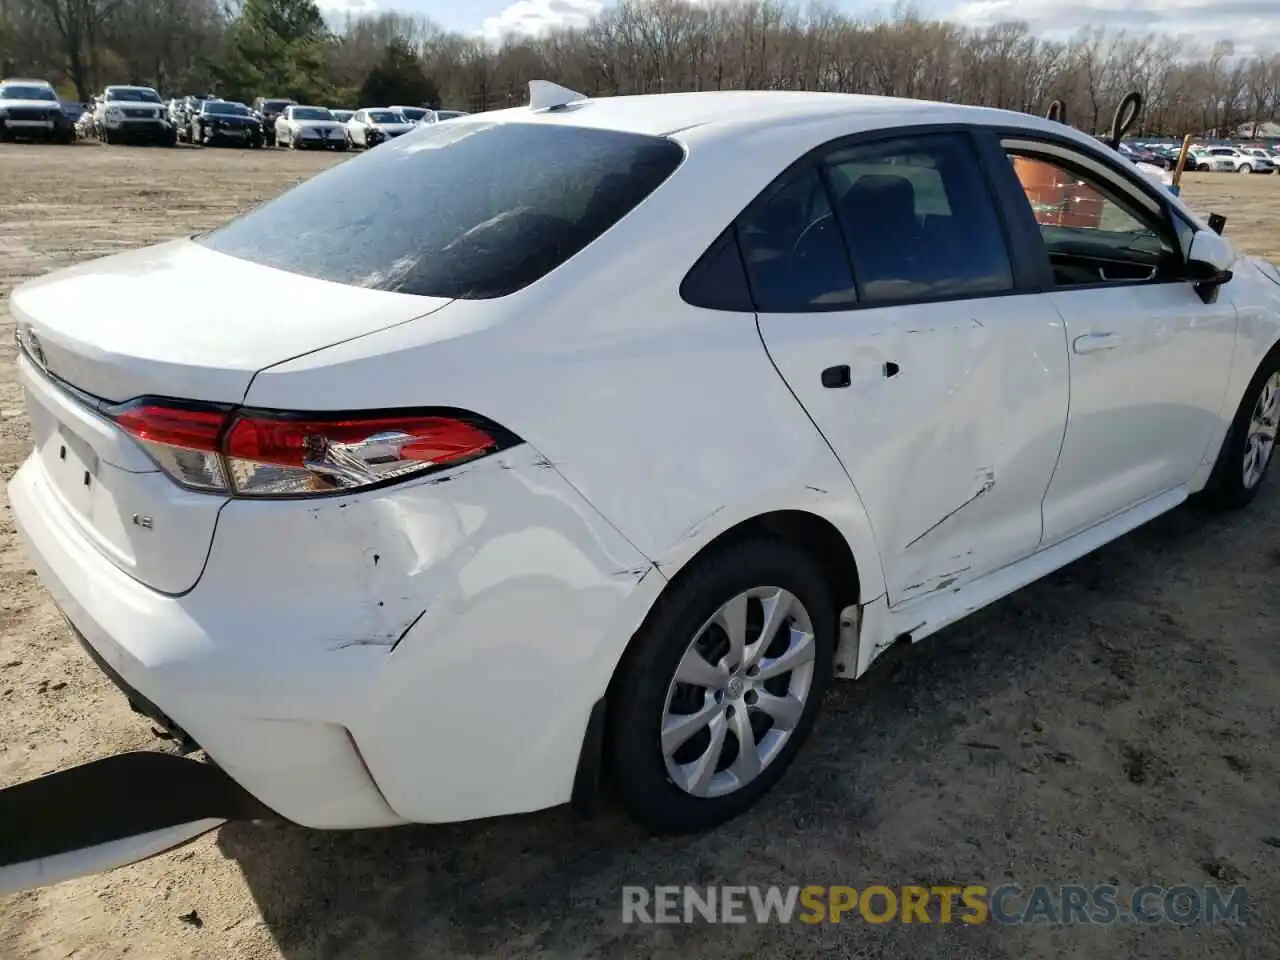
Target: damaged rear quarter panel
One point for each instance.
(411, 608)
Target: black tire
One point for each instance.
(1226, 489)
(639, 691)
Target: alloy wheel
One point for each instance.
(1261, 439)
(739, 692)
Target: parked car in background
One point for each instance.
(415, 114)
(73, 110)
(29, 110)
(1240, 162)
(86, 125)
(1140, 154)
(1208, 161)
(226, 122)
(373, 125)
(311, 128)
(268, 110)
(1267, 158)
(188, 108)
(134, 115)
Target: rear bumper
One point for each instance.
(155, 648)
(429, 652)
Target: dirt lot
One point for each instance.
(1116, 723)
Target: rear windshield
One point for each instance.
(276, 105)
(385, 116)
(13, 91)
(413, 113)
(311, 113)
(468, 210)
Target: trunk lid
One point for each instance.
(180, 320)
(175, 321)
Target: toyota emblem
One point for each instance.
(35, 349)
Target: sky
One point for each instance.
(1254, 25)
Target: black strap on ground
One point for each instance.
(115, 798)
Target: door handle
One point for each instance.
(1094, 342)
(833, 378)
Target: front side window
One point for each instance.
(1093, 233)
(456, 210)
(919, 219)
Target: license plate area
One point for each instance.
(69, 460)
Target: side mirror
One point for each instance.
(1210, 263)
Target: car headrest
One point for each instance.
(879, 201)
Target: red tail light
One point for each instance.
(250, 454)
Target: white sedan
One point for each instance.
(1207, 160)
(443, 521)
(370, 127)
(311, 128)
(415, 115)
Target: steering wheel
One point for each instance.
(810, 235)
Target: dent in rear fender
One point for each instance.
(529, 597)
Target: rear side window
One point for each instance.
(460, 210)
(795, 257)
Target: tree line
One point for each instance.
(239, 49)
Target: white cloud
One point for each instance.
(533, 17)
(1253, 25)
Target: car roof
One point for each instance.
(664, 114)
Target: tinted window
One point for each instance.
(133, 95)
(15, 91)
(385, 116)
(718, 280)
(919, 220)
(1092, 232)
(455, 210)
(791, 243)
(227, 109)
(413, 113)
(311, 113)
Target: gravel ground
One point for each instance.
(1114, 723)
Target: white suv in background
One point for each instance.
(1241, 161)
(30, 109)
(1208, 161)
(133, 114)
(1264, 161)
